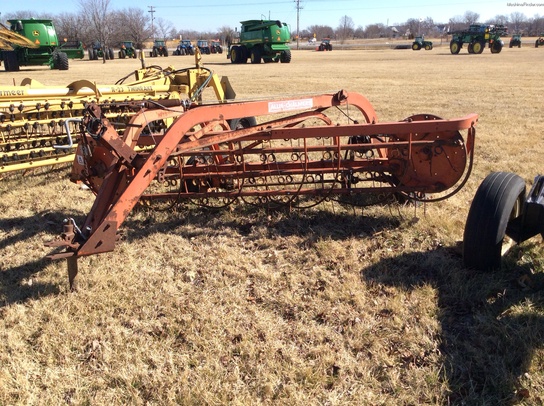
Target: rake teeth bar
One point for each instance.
(33, 116)
(297, 156)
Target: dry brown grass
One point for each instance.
(326, 306)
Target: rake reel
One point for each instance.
(298, 155)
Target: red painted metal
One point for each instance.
(295, 152)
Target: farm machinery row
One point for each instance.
(36, 120)
(284, 152)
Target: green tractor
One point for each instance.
(261, 40)
(515, 41)
(203, 46)
(41, 48)
(477, 36)
(419, 42)
(98, 51)
(159, 48)
(216, 47)
(325, 45)
(127, 50)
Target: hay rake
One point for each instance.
(35, 119)
(297, 155)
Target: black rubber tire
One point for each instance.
(244, 54)
(62, 61)
(122, 54)
(245, 122)
(496, 47)
(498, 200)
(255, 55)
(285, 56)
(11, 63)
(235, 55)
(416, 46)
(110, 53)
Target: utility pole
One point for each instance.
(298, 7)
(152, 10)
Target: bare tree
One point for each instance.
(518, 19)
(471, 17)
(412, 27)
(71, 26)
(163, 27)
(321, 31)
(359, 32)
(226, 34)
(376, 31)
(100, 21)
(499, 19)
(345, 28)
(456, 23)
(133, 24)
(535, 26)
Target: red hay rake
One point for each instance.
(297, 156)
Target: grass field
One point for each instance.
(327, 306)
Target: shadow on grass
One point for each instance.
(12, 286)
(245, 220)
(486, 343)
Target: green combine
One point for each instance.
(261, 40)
(43, 47)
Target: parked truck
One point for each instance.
(477, 36)
(261, 40)
(43, 48)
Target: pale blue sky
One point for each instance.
(209, 15)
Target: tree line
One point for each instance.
(97, 21)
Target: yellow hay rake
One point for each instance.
(36, 120)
